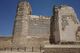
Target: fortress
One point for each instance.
(59, 33)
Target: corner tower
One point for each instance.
(21, 22)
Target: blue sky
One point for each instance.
(39, 7)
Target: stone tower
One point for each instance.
(63, 25)
(21, 22)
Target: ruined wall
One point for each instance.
(68, 23)
(35, 30)
(27, 26)
(39, 26)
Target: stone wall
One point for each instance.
(66, 23)
(34, 31)
(62, 49)
(39, 26)
(5, 42)
(16, 52)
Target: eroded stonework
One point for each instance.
(31, 33)
(66, 24)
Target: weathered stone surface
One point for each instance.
(67, 24)
(64, 24)
(78, 33)
(62, 49)
(31, 33)
(39, 26)
(16, 52)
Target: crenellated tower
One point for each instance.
(20, 31)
